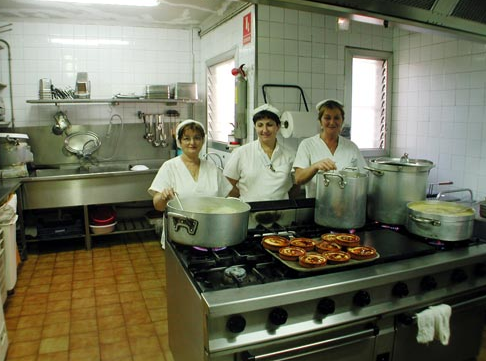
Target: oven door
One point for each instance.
(466, 326)
(342, 344)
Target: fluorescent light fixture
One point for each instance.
(367, 20)
(112, 2)
(88, 42)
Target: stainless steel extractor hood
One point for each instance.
(462, 17)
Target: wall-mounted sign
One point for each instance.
(247, 29)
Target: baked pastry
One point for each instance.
(312, 260)
(329, 237)
(362, 252)
(291, 253)
(305, 243)
(337, 257)
(274, 243)
(347, 239)
(325, 246)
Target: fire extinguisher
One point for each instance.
(240, 102)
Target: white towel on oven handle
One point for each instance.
(433, 324)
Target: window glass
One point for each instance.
(220, 100)
(368, 99)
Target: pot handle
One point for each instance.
(342, 182)
(433, 222)
(376, 172)
(180, 220)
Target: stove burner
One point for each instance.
(204, 249)
(234, 274)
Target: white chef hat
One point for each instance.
(182, 125)
(268, 108)
(322, 102)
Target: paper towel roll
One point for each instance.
(298, 124)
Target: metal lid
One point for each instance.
(402, 164)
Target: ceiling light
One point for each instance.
(112, 2)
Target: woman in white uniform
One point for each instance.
(326, 151)
(187, 174)
(261, 170)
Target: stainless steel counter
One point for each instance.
(76, 187)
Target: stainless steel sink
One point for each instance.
(92, 169)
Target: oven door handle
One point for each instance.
(408, 319)
(373, 331)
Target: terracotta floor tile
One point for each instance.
(57, 317)
(54, 356)
(26, 348)
(84, 326)
(28, 334)
(102, 305)
(104, 290)
(85, 283)
(77, 276)
(83, 314)
(131, 296)
(107, 299)
(115, 351)
(142, 330)
(54, 344)
(61, 305)
(83, 340)
(114, 335)
(77, 303)
(83, 292)
(128, 287)
(31, 321)
(146, 345)
(126, 278)
(107, 322)
(109, 309)
(85, 354)
(59, 295)
(41, 279)
(56, 329)
(60, 287)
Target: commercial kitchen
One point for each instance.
(90, 96)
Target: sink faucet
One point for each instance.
(207, 156)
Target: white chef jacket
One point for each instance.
(259, 177)
(174, 174)
(314, 149)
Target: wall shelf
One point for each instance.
(113, 101)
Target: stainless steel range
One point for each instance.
(241, 303)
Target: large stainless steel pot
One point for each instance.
(341, 199)
(445, 221)
(393, 182)
(14, 149)
(207, 221)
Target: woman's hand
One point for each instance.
(304, 175)
(325, 165)
(160, 199)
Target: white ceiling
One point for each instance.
(169, 13)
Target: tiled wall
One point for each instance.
(227, 38)
(118, 59)
(306, 49)
(439, 106)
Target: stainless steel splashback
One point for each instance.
(48, 149)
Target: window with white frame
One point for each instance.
(220, 100)
(367, 98)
